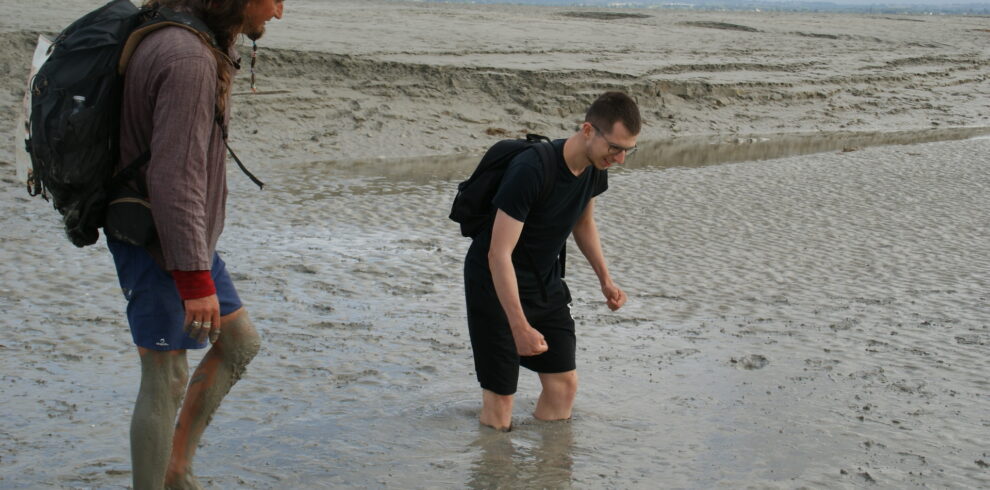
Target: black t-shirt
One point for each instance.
(547, 224)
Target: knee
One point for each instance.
(498, 403)
(502, 403)
(239, 342)
(496, 410)
(178, 379)
(566, 385)
(164, 372)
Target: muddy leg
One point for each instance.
(220, 368)
(163, 381)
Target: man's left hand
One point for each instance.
(203, 318)
(614, 296)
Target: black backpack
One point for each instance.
(472, 207)
(75, 112)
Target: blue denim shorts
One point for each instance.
(154, 309)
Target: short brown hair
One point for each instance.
(611, 107)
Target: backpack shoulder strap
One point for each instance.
(548, 155)
(166, 17)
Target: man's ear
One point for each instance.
(586, 130)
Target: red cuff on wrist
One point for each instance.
(194, 284)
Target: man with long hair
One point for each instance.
(179, 293)
(517, 302)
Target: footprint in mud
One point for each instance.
(824, 364)
(303, 268)
(367, 376)
(752, 361)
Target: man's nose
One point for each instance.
(620, 158)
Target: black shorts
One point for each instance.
(496, 361)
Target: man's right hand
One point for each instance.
(529, 341)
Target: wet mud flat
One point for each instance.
(817, 320)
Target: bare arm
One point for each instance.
(505, 235)
(586, 237)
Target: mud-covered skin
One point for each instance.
(219, 370)
(157, 443)
(163, 380)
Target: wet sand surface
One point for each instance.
(817, 320)
(813, 320)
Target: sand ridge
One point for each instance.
(347, 79)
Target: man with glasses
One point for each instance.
(517, 302)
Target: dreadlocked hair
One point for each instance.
(225, 19)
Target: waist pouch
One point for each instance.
(129, 218)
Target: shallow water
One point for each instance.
(683, 151)
(808, 321)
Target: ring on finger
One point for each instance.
(207, 324)
(196, 324)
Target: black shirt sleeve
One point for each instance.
(520, 186)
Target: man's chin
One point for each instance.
(255, 34)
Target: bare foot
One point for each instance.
(496, 425)
(185, 481)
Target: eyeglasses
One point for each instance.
(614, 149)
